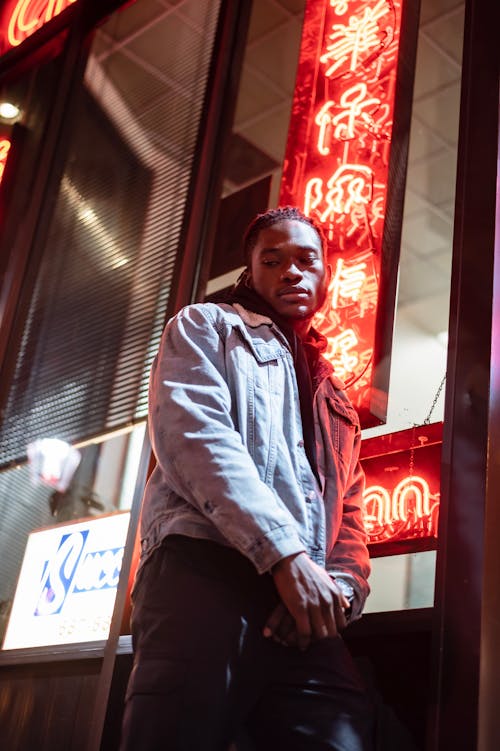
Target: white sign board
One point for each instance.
(67, 585)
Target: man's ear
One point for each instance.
(247, 278)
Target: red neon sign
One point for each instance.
(401, 499)
(4, 152)
(337, 161)
(24, 17)
(409, 512)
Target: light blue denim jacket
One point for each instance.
(225, 423)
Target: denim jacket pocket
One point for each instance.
(263, 352)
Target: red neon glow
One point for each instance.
(411, 510)
(4, 152)
(23, 18)
(336, 164)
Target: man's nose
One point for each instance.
(292, 271)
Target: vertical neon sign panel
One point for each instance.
(337, 168)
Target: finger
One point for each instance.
(285, 629)
(330, 619)
(303, 628)
(338, 594)
(274, 620)
(320, 618)
(340, 618)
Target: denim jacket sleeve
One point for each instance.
(200, 453)
(348, 558)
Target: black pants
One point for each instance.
(204, 674)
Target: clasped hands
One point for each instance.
(311, 603)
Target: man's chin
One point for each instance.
(296, 312)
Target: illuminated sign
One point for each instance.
(22, 18)
(337, 164)
(4, 152)
(401, 498)
(67, 586)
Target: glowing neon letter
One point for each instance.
(387, 515)
(323, 119)
(347, 282)
(350, 184)
(313, 195)
(354, 101)
(29, 15)
(360, 35)
(4, 151)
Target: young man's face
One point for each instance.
(287, 269)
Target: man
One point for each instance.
(253, 547)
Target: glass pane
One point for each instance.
(96, 315)
(257, 146)
(252, 182)
(418, 365)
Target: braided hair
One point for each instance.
(272, 217)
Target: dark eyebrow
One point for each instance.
(301, 249)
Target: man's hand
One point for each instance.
(312, 604)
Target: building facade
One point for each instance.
(141, 137)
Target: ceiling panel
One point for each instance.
(430, 313)
(256, 97)
(440, 112)
(266, 16)
(149, 31)
(136, 85)
(413, 203)
(433, 69)
(178, 67)
(426, 233)
(293, 6)
(137, 16)
(448, 33)
(269, 133)
(433, 9)
(275, 56)
(419, 278)
(435, 178)
(423, 143)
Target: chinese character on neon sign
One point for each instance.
(4, 152)
(337, 163)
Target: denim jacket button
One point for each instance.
(300, 444)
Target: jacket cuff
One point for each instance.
(279, 543)
(344, 579)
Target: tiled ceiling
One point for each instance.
(128, 48)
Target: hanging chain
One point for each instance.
(438, 394)
(412, 453)
(425, 422)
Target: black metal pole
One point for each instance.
(467, 606)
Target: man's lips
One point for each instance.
(286, 291)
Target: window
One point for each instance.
(97, 309)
